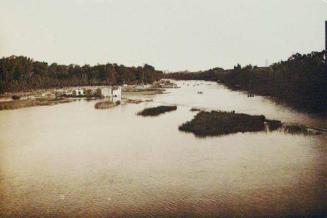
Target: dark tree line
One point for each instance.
(300, 81)
(23, 73)
(209, 75)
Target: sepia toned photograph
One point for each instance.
(163, 108)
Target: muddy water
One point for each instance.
(72, 160)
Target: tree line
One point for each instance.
(19, 73)
(300, 81)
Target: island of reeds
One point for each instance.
(218, 123)
(155, 111)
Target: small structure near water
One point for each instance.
(79, 92)
(106, 92)
(112, 93)
(116, 94)
(112, 96)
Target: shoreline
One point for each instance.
(48, 97)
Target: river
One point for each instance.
(70, 160)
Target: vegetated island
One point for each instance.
(217, 123)
(145, 91)
(155, 111)
(106, 104)
(299, 82)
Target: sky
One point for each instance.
(171, 35)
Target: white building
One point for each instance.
(116, 94)
(79, 92)
(113, 93)
(106, 92)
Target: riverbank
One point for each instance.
(16, 100)
(299, 82)
(16, 104)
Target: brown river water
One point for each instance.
(71, 160)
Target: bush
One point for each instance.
(15, 97)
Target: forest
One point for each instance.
(18, 73)
(300, 81)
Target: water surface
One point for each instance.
(72, 160)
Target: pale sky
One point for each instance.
(168, 34)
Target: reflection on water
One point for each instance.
(73, 160)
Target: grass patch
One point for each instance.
(300, 130)
(155, 111)
(147, 91)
